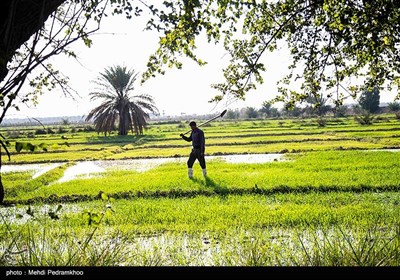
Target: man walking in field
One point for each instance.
(198, 142)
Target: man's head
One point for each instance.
(193, 124)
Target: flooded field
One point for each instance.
(84, 169)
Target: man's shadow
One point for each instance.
(210, 183)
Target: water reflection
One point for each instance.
(86, 169)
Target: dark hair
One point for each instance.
(192, 123)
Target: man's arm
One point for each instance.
(185, 137)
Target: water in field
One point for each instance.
(86, 169)
(37, 169)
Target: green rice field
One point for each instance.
(331, 199)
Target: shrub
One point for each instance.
(364, 119)
(321, 122)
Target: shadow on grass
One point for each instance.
(210, 183)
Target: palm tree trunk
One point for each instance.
(122, 120)
(122, 127)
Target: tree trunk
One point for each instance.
(1, 184)
(122, 122)
(1, 191)
(19, 20)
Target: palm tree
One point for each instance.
(119, 107)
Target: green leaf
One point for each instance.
(104, 196)
(87, 42)
(29, 211)
(53, 215)
(43, 146)
(18, 146)
(30, 147)
(59, 207)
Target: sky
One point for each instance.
(179, 92)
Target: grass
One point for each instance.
(227, 137)
(334, 201)
(353, 171)
(46, 242)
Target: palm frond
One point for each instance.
(119, 108)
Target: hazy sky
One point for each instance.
(124, 42)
